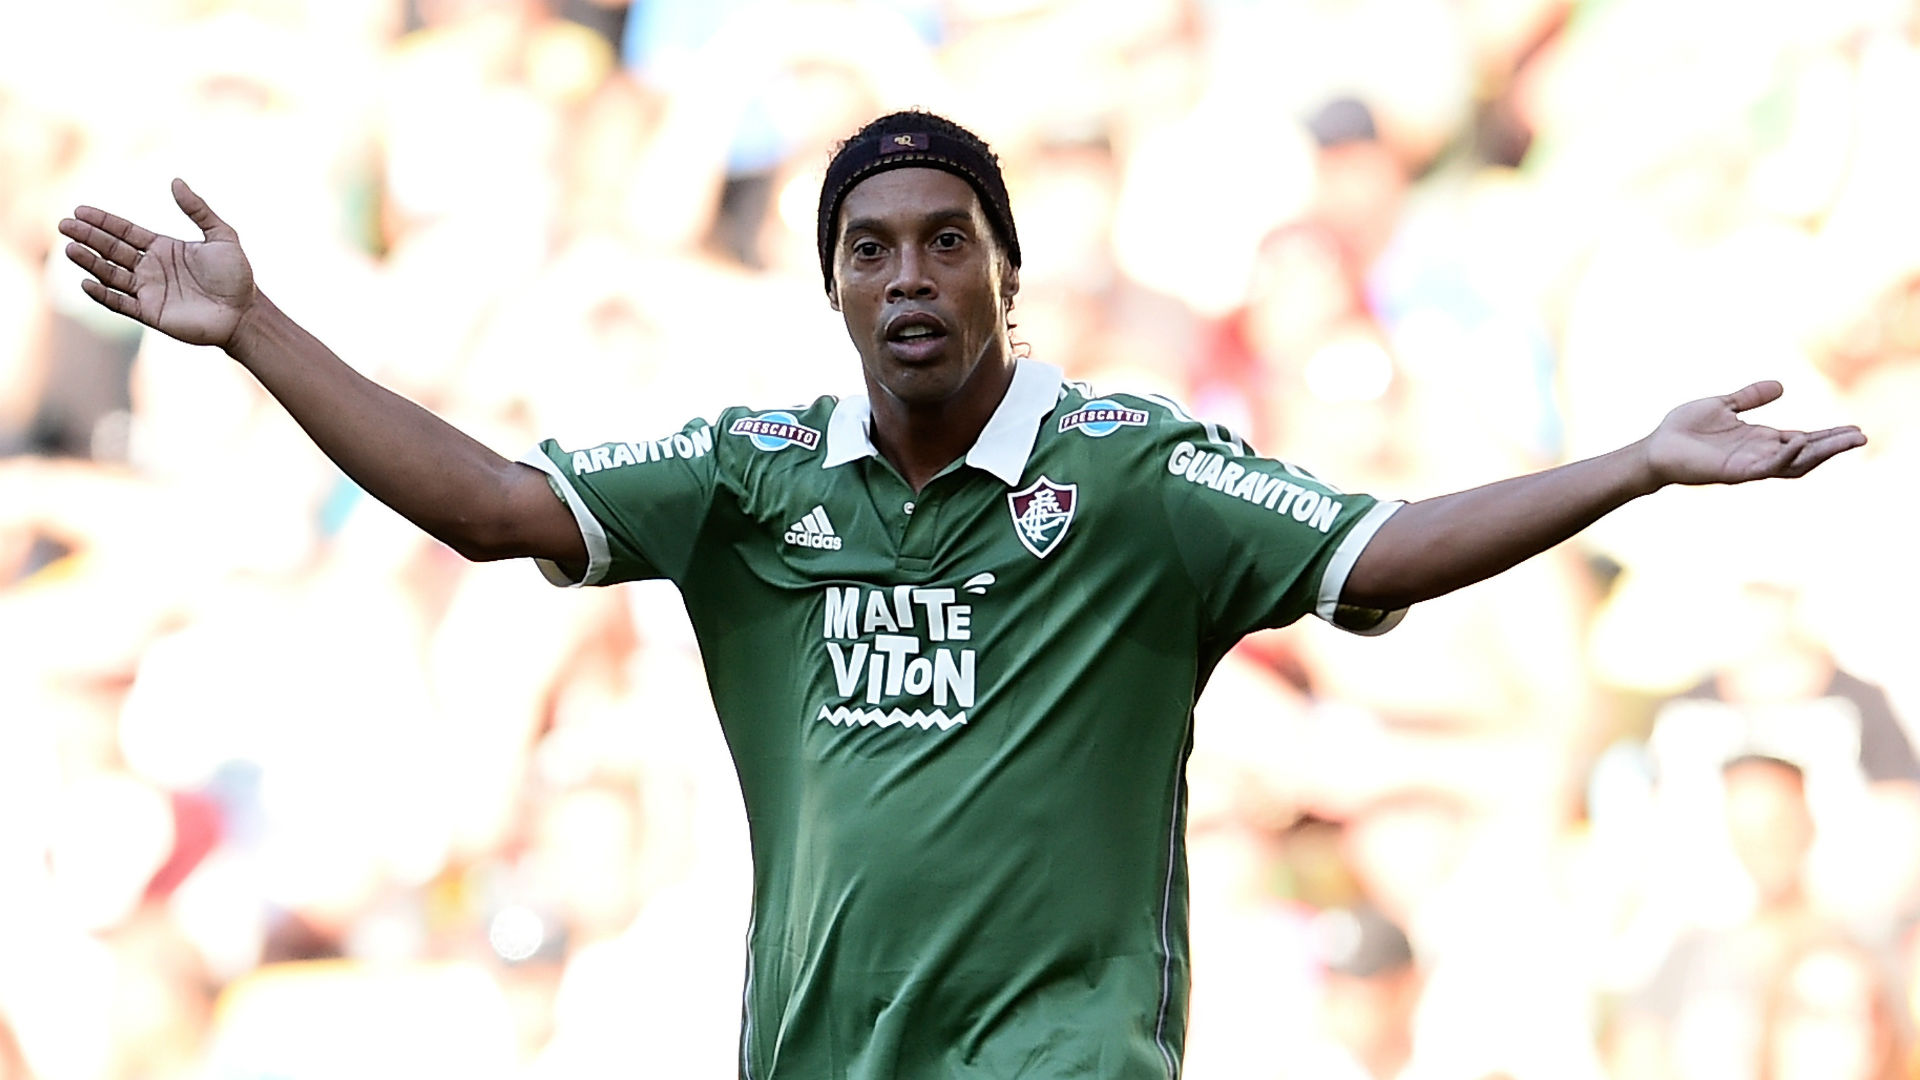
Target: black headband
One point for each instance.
(878, 152)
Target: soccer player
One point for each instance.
(954, 627)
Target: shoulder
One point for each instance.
(1145, 417)
(758, 438)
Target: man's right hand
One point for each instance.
(195, 291)
(457, 489)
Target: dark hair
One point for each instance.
(914, 138)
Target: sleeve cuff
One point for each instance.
(590, 531)
(1367, 622)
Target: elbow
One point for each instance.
(480, 540)
(1381, 599)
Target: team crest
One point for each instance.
(1041, 514)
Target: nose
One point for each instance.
(911, 279)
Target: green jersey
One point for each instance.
(961, 716)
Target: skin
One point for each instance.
(917, 242)
(1434, 546)
(914, 240)
(459, 491)
(1770, 828)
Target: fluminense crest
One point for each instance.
(1042, 512)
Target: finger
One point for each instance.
(201, 214)
(1753, 395)
(1787, 449)
(117, 302)
(1827, 433)
(117, 226)
(1824, 447)
(113, 275)
(101, 241)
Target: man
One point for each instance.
(1703, 1012)
(954, 628)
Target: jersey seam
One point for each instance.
(1166, 908)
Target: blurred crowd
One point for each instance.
(287, 790)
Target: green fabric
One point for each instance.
(963, 763)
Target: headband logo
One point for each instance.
(910, 141)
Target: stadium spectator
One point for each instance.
(1703, 1011)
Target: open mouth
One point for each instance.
(916, 336)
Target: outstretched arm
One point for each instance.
(459, 491)
(1432, 547)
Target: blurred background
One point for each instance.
(288, 790)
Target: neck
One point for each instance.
(921, 438)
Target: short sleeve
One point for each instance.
(639, 505)
(1265, 541)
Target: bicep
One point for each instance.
(1379, 575)
(538, 522)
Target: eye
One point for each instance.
(866, 249)
(949, 240)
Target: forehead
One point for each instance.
(905, 195)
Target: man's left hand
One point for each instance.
(1706, 442)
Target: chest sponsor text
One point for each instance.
(899, 655)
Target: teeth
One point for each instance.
(917, 331)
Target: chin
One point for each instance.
(915, 386)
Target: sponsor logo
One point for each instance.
(1042, 511)
(618, 455)
(1218, 472)
(842, 716)
(814, 531)
(1103, 417)
(901, 655)
(775, 431)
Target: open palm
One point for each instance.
(196, 291)
(1706, 442)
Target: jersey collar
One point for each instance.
(1004, 444)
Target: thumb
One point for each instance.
(1753, 395)
(201, 214)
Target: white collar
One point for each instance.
(1004, 444)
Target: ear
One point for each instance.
(1009, 282)
(833, 296)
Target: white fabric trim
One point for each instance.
(1166, 916)
(598, 559)
(1004, 444)
(1007, 441)
(1334, 580)
(746, 1009)
(847, 438)
(1179, 411)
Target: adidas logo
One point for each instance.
(814, 531)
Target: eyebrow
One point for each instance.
(935, 217)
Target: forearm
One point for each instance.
(1432, 547)
(428, 471)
